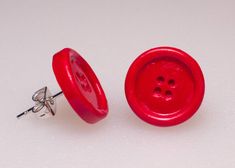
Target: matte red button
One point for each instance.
(80, 85)
(164, 86)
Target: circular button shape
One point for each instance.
(80, 85)
(164, 86)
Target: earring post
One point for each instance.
(24, 113)
(57, 94)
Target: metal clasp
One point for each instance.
(45, 105)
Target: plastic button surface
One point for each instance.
(164, 86)
(80, 85)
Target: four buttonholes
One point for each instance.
(159, 91)
(83, 82)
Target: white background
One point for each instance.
(110, 35)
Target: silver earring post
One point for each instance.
(44, 104)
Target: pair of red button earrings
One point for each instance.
(164, 86)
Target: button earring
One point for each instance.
(79, 85)
(164, 86)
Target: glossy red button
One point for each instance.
(164, 86)
(80, 85)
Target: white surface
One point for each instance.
(110, 35)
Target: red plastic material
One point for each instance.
(80, 85)
(164, 86)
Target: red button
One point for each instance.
(80, 85)
(164, 86)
